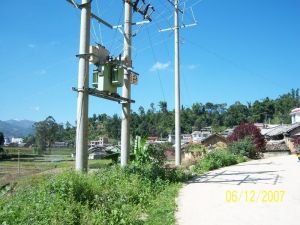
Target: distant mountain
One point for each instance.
(16, 128)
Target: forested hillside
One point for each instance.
(158, 120)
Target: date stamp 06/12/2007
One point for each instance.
(254, 196)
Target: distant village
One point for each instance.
(279, 138)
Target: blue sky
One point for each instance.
(240, 50)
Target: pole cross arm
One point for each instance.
(80, 6)
(101, 21)
(135, 23)
(182, 26)
(101, 94)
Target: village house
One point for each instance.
(198, 136)
(60, 144)
(295, 115)
(100, 142)
(214, 140)
(18, 141)
(227, 132)
(185, 138)
(152, 140)
(6, 141)
(280, 137)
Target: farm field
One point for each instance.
(29, 163)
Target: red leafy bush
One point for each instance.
(251, 131)
(297, 141)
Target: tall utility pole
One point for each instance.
(125, 133)
(83, 82)
(177, 88)
(176, 28)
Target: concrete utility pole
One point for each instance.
(125, 134)
(177, 88)
(176, 28)
(83, 82)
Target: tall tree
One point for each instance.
(46, 133)
(236, 114)
(163, 106)
(1, 138)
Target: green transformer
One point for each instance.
(108, 78)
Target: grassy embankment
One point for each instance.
(112, 195)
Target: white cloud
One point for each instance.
(192, 66)
(31, 45)
(36, 108)
(160, 66)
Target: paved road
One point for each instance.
(262, 192)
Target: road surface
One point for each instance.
(259, 192)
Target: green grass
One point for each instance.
(31, 151)
(30, 166)
(162, 210)
(15, 150)
(217, 159)
(110, 196)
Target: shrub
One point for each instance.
(3, 154)
(251, 131)
(145, 153)
(196, 148)
(297, 141)
(217, 159)
(110, 196)
(244, 147)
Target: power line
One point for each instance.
(234, 63)
(99, 26)
(155, 60)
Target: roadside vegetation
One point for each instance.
(142, 193)
(246, 142)
(111, 195)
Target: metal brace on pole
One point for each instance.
(92, 15)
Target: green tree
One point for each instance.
(163, 106)
(262, 111)
(29, 140)
(284, 104)
(46, 133)
(236, 115)
(1, 138)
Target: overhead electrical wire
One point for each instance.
(233, 63)
(99, 25)
(157, 71)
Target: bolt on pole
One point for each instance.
(83, 81)
(126, 90)
(177, 88)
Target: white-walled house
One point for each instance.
(18, 141)
(6, 141)
(198, 136)
(100, 142)
(295, 114)
(185, 138)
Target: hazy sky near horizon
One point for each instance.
(239, 51)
